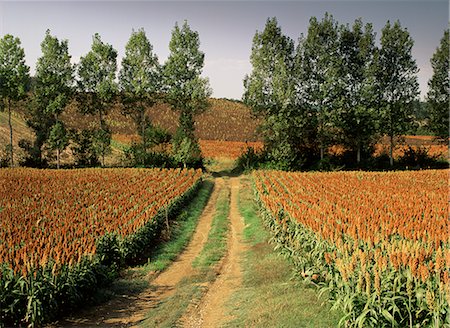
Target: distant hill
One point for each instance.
(224, 120)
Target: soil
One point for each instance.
(129, 311)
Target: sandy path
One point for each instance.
(210, 312)
(129, 311)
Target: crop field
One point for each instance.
(53, 223)
(377, 243)
(226, 149)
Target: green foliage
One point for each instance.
(90, 145)
(52, 91)
(13, 70)
(143, 154)
(109, 252)
(139, 80)
(318, 72)
(270, 93)
(186, 91)
(186, 150)
(396, 81)
(54, 76)
(271, 57)
(417, 158)
(14, 77)
(139, 156)
(97, 87)
(355, 115)
(250, 159)
(101, 142)
(439, 88)
(83, 150)
(58, 139)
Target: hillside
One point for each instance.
(225, 130)
(224, 120)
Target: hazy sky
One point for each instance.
(226, 28)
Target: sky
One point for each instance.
(226, 28)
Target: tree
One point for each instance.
(139, 80)
(14, 77)
(355, 115)
(319, 76)
(397, 82)
(186, 91)
(52, 92)
(269, 92)
(58, 139)
(439, 88)
(97, 88)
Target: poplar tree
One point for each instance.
(319, 76)
(139, 80)
(97, 89)
(355, 114)
(186, 91)
(396, 82)
(438, 93)
(270, 93)
(52, 92)
(14, 77)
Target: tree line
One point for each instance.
(96, 85)
(337, 87)
(334, 87)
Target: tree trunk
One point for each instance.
(358, 154)
(391, 150)
(10, 133)
(100, 115)
(321, 153)
(144, 142)
(57, 158)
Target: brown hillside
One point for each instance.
(224, 120)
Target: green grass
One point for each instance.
(216, 245)
(167, 313)
(270, 297)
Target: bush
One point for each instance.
(84, 150)
(137, 155)
(251, 159)
(418, 158)
(186, 150)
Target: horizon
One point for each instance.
(226, 28)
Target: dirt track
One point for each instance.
(211, 311)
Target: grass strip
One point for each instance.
(216, 245)
(269, 296)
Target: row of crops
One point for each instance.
(65, 233)
(378, 244)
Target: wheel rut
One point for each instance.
(211, 310)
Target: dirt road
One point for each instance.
(211, 311)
